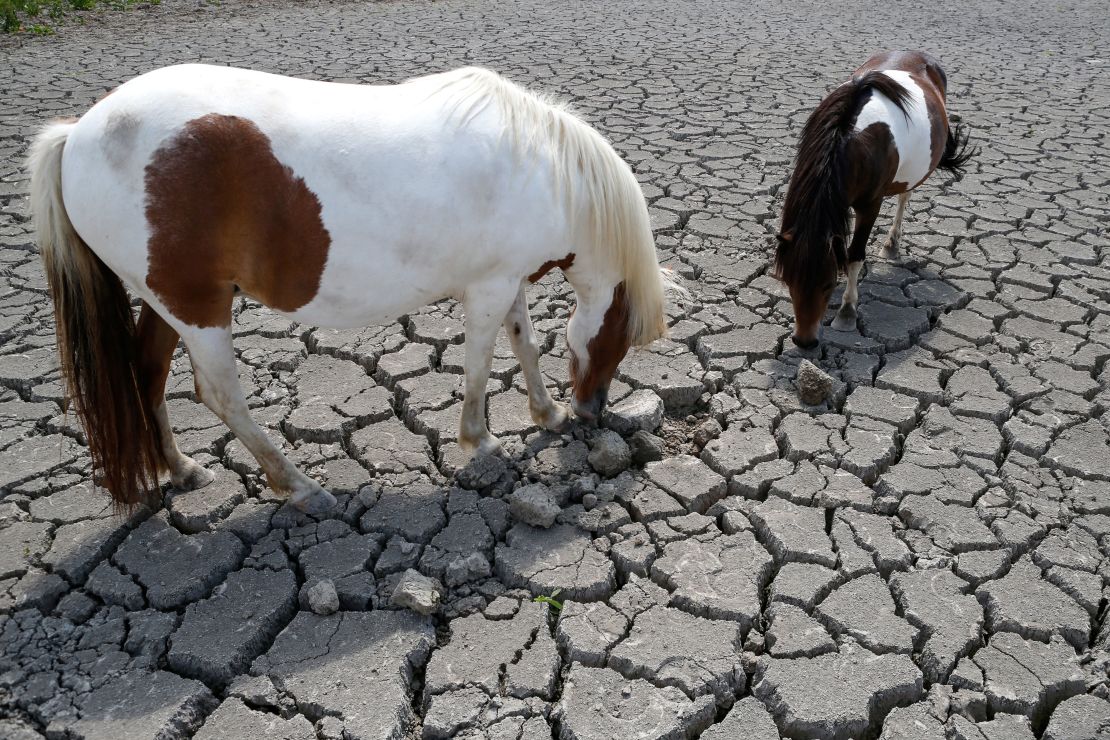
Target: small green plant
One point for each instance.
(16, 15)
(550, 600)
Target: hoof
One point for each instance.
(191, 476)
(554, 418)
(845, 320)
(484, 445)
(490, 446)
(891, 252)
(314, 502)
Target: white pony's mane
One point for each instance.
(587, 170)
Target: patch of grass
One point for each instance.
(24, 15)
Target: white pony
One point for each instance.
(339, 206)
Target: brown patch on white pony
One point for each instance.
(550, 265)
(224, 212)
(606, 349)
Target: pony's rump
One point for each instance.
(817, 183)
(96, 334)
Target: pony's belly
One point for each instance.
(337, 307)
(375, 285)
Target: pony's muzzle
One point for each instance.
(591, 410)
(801, 343)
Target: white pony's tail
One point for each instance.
(53, 231)
(98, 347)
(588, 171)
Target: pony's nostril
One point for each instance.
(805, 343)
(582, 411)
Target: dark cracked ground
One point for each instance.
(925, 557)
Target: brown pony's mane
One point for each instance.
(815, 214)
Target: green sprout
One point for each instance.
(550, 600)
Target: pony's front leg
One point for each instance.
(890, 248)
(217, 379)
(518, 324)
(865, 220)
(486, 307)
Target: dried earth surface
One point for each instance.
(924, 555)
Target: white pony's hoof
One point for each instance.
(191, 476)
(314, 502)
(486, 444)
(845, 319)
(554, 418)
(891, 251)
(489, 446)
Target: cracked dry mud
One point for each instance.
(924, 556)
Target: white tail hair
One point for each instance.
(54, 232)
(620, 224)
(98, 348)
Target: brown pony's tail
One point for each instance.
(97, 342)
(957, 152)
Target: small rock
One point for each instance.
(417, 592)
(646, 448)
(606, 493)
(322, 598)
(589, 501)
(706, 432)
(463, 570)
(610, 455)
(534, 504)
(481, 471)
(814, 384)
(642, 410)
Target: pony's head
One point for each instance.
(810, 272)
(598, 338)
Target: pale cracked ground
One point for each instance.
(925, 558)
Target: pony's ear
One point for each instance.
(838, 247)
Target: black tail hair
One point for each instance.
(957, 152)
(816, 209)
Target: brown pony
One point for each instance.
(881, 133)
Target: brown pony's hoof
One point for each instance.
(845, 319)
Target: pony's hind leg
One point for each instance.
(890, 248)
(217, 379)
(487, 305)
(157, 341)
(866, 214)
(518, 324)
